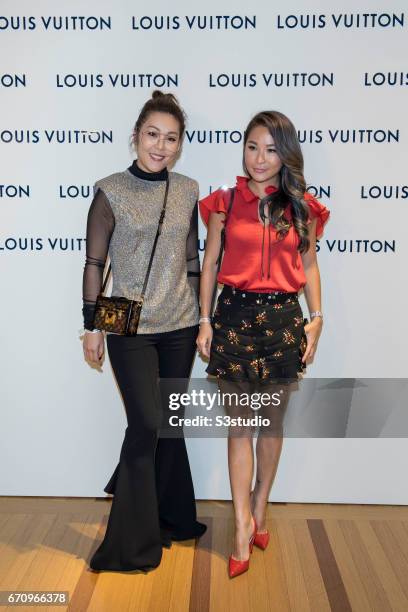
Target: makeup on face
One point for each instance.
(158, 142)
(261, 158)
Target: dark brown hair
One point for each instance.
(162, 103)
(292, 182)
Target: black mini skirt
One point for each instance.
(256, 336)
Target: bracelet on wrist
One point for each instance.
(204, 320)
(316, 313)
(84, 331)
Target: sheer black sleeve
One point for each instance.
(99, 229)
(193, 260)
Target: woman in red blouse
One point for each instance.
(271, 224)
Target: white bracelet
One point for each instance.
(316, 313)
(204, 320)
(82, 332)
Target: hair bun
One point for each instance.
(161, 102)
(169, 97)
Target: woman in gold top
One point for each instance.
(153, 492)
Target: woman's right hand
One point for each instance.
(94, 347)
(204, 339)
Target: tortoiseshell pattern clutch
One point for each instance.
(117, 315)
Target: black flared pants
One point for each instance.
(153, 494)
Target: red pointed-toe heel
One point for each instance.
(261, 539)
(236, 566)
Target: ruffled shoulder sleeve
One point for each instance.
(317, 210)
(215, 202)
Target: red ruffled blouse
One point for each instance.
(254, 259)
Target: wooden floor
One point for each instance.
(321, 557)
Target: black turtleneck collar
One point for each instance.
(148, 176)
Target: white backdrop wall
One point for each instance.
(71, 86)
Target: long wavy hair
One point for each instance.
(292, 184)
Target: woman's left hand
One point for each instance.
(313, 331)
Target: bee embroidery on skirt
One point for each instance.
(227, 301)
(220, 372)
(297, 321)
(261, 318)
(254, 365)
(288, 337)
(257, 364)
(278, 306)
(217, 325)
(233, 336)
(277, 354)
(303, 345)
(245, 325)
(249, 348)
(262, 369)
(269, 332)
(235, 367)
(219, 348)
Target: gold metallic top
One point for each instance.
(170, 300)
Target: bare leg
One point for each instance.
(240, 465)
(268, 451)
